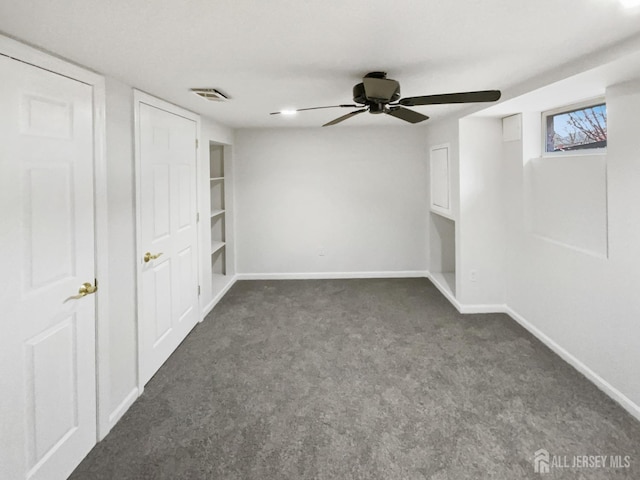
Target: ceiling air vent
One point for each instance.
(210, 94)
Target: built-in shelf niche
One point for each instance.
(443, 251)
(216, 162)
(218, 233)
(217, 196)
(218, 264)
(217, 215)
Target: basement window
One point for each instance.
(576, 128)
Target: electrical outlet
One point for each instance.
(321, 252)
(473, 275)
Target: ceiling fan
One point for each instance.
(379, 94)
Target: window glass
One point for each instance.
(579, 129)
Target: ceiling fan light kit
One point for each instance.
(378, 94)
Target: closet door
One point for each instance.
(168, 234)
(47, 331)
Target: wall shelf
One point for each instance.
(448, 216)
(218, 217)
(215, 246)
(442, 240)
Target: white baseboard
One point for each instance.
(448, 294)
(596, 379)
(593, 377)
(439, 282)
(330, 275)
(207, 309)
(464, 308)
(120, 410)
(131, 397)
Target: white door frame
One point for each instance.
(139, 98)
(26, 54)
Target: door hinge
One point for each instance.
(198, 289)
(196, 143)
(197, 217)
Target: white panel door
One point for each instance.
(47, 340)
(168, 234)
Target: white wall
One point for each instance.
(585, 303)
(448, 132)
(230, 207)
(480, 257)
(557, 277)
(358, 195)
(477, 210)
(444, 233)
(122, 353)
(122, 346)
(214, 132)
(575, 216)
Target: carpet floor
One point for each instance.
(361, 379)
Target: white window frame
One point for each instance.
(568, 108)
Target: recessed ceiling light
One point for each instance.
(630, 3)
(288, 112)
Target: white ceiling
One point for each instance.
(587, 85)
(275, 54)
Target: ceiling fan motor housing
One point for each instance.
(376, 108)
(390, 90)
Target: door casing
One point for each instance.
(139, 98)
(32, 56)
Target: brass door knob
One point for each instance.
(148, 256)
(87, 289)
(84, 290)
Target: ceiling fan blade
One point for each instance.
(407, 115)
(379, 88)
(344, 117)
(315, 108)
(463, 97)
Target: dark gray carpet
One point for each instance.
(360, 379)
